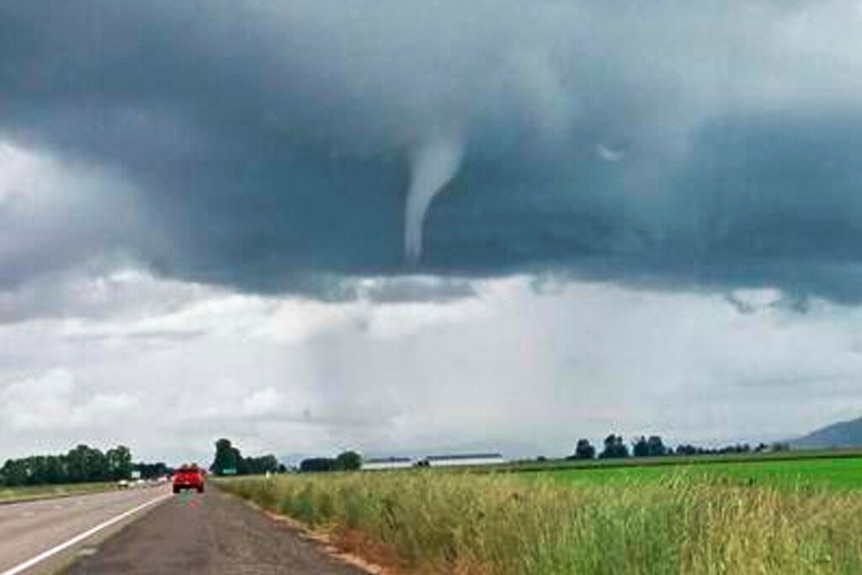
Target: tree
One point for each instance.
(317, 464)
(15, 472)
(652, 447)
(655, 446)
(226, 457)
(242, 464)
(120, 462)
(151, 470)
(87, 464)
(348, 461)
(55, 470)
(76, 459)
(614, 447)
(584, 450)
(640, 447)
(260, 465)
(96, 464)
(80, 464)
(38, 466)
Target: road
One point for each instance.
(34, 529)
(212, 534)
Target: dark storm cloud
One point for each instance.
(273, 143)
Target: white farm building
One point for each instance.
(463, 460)
(379, 463)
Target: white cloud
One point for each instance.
(262, 402)
(56, 216)
(511, 368)
(88, 294)
(37, 403)
(48, 402)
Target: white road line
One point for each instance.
(78, 538)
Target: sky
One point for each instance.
(411, 227)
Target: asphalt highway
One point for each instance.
(38, 536)
(212, 534)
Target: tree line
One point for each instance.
(346, 461)
(152, 470)
(79, 465)
(229, 460)
(653, 446)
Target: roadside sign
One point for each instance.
(228, 471)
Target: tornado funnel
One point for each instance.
(433, 165)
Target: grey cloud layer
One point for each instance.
(270, 143)
(507, 370)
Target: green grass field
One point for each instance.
(774, 516)
(678, 460)
(11, 494)
(832, 473)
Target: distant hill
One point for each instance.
(841, 434)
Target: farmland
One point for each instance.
(773, 516)
(834, 473)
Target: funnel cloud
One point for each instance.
(433, 165)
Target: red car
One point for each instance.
(189, 477)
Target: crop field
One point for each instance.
(11, 494)
(843, 473)
(758, 517)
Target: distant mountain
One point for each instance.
(841, 434)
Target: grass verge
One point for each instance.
(16, 494)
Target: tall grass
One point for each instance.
(434, 522)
